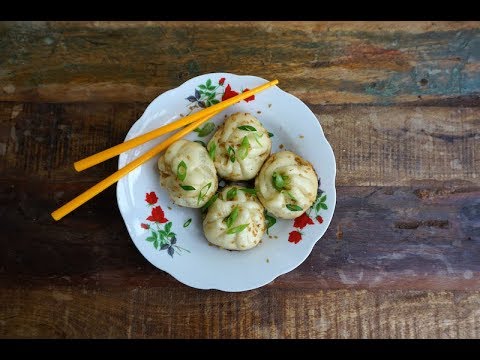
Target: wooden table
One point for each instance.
(399, 102)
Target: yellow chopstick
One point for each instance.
(127, 145)
(112, 179)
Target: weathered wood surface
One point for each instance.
(399, 230)
(401, 257)
(323, 63)
(77, 311)
(373, 145)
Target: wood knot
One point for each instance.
(339, 233)
(442, 224)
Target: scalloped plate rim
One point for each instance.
(283, 271)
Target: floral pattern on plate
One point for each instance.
(161, 238)
(146, 207)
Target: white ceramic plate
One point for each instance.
(184, 252)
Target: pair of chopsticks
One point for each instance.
(192, 121)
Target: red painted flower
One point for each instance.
(302, 221)
(151, 198)
(229, 93)
(221, 81)
(145, 226)
(319, 219)
(157, 215)
(295, 237)
(250, 98)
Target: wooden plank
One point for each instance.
(373, 145)
(77, 312)
(391, 146)
(424, 237)
(322, 63)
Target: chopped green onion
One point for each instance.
(203, 192)
(211, 151)
(278, 181)
(187, 187)
(249, 191)
(181, 171)
(270, 134)
(205, 130)
(231, 193)
(230, 219)
(270, 221)
(187, 223)
(247, 128)
(237, 229)
(231, 154)
(210, 202)
(256, 139)
(243, 149)
(292, 207)
(290, 194)
(201, 143)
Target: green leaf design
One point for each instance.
(211, 96)
(168, 227)
(323, 206)
(278, 181)
(202, 87)
(231, 193)
(211, 151)
(150, 238)
(201, 143)
(243, 149)
(237, 229)
(214, 101)
(203, 192)
(247, 128)
(231, 153)
(163, 234)
(293, 207)
(154, 235)
(205, 130)
(187, 187)
(317, 208)
(323, 198)
(155, 244)
(249, 191)
(181, 171)
(208, 83)
(270, 220)
(210, 202)
(232, 217)
(186, 223)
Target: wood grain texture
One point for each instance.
(323, 63)
(78, 312)
(393, 238)
(374, 146)
(399, 103)
(399, 230)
